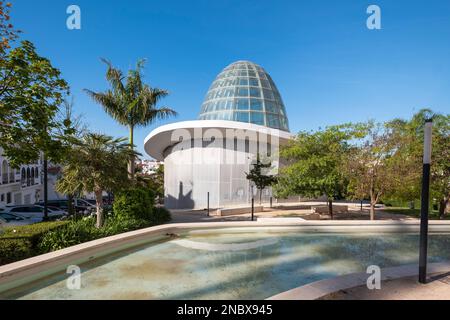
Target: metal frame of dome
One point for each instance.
(245, 92)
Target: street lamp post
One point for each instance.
(425, 203)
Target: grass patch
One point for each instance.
(415, 213)
(17, 243)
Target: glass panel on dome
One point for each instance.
(229, 92)
(251, 73)
(243, 81)
(241, 116)
(265, 83)
(257, 118)
(221, 105)
(255, 92)
(242, 104)
(270, 106)
(256, 104)
(229, 105)
(273, 121)
(243, 73)
(268, 94)
(254, 82)
(242, 92)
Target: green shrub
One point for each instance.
(135, 203)
(18, 243)
(74, 232)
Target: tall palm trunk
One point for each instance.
(131, 164)
(99, 204)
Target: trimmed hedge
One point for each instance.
(133, 209)
(18, 243)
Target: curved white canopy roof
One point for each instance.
(161, 138)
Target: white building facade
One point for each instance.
(20, 186)
(243, 116)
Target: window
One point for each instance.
(268, 94)
(265, 83)
(220, 105)
(229, 105)
(8, 198)
(255, 92)
(271, 107)
(241, 116)
(242, 104)
(2, 198)
(243, 82)
(9, 217)
(256, 104)
(257, 118)
(273, 121)
(229, 93)
(254, 82)
(242, 92)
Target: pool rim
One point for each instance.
(16, 274)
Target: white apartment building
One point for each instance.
(20, 186)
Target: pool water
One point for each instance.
(230, 265)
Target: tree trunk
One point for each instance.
(99, 204)
(372, 210)
(70, 207)
(330, 208)
(260, 196)
(373, 201)
(131, 165)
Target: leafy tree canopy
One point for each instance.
(31, 91)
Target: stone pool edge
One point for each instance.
(319, 289)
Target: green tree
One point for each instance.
(131, 102)
(96, 163)
(31, 92)
(409, 153)
(7, 32)
(154, 182)
(373, 165)
(258, 175)
(314, 164)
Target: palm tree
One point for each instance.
(131, 102)
(95, 163)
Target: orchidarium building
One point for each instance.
(242, 116)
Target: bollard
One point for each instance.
(253, 209)
(207, 208)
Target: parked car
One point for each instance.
(35, 212)
(80, 205)
(13, 220)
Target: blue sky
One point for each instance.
(327, 65)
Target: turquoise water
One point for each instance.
(230, 265)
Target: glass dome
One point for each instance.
(245, 92)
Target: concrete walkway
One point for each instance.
(438, 288)
(292, 210)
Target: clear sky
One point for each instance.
(329, 67)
